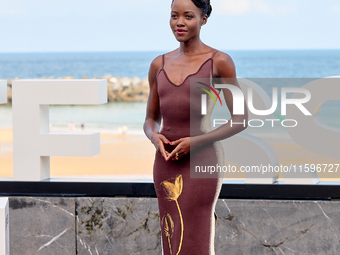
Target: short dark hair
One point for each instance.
(204, 5)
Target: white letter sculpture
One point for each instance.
(3, 91)
(33, 143)
(4, 226)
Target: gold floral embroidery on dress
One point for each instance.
(168, 226)
(173, 191)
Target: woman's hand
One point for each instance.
(184, 147)
(158, 141)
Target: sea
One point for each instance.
(111, 117)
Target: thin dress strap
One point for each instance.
(214, 53)
(163, 61)
(212, 65)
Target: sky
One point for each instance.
(143, 25)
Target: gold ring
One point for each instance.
(176, 154)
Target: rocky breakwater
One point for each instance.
(119, 89)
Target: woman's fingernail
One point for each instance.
(170, 142)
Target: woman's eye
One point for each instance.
(189, 16)
(173, 16)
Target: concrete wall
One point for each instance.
(63, 226)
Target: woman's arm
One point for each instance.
(153, 115)
(226, 74)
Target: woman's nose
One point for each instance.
(180, 22)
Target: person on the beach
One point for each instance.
(183, 136)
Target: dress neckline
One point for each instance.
(199, 69)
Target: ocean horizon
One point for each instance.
(249, 63)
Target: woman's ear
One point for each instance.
(205, 19)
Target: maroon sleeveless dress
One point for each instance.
(186, 205)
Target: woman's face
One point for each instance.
(186, 20)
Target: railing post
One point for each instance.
(4, 226)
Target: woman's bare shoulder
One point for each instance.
(224, 65)
(223, 58)
(156, 63)
(155, 67)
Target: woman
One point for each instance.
(183, 137)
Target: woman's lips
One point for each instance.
(180, 31)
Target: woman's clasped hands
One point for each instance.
(183, 146)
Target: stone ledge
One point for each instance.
(93, 225)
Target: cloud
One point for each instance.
(241, 7)
(235, 7)
(262, 7)
(336, 9)
(142, 2)
(4, 11)
(9, 8)
(283, 10)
